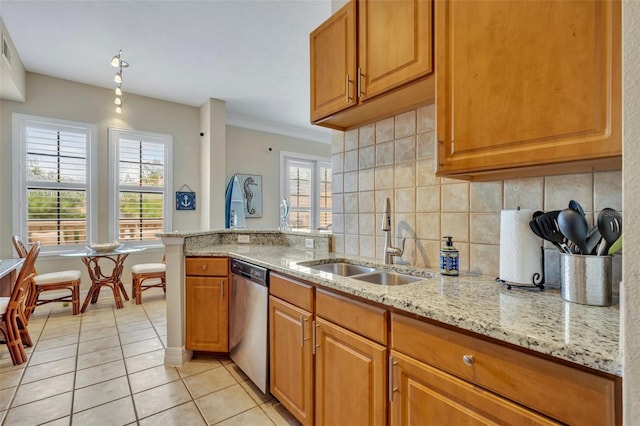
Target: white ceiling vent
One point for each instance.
(6, 51)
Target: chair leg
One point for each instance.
(75, 299)
(137, 285)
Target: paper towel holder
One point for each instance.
(537, 279)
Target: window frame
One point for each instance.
(19, 176)
(316, 162)
(114, 182)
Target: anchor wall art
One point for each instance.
(185, 200)
(252, 191)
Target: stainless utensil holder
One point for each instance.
(586, 279)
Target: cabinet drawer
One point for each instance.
(292, 291)
(567, 394)
(207, 266)
(366, 320)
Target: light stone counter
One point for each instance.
(537, 320)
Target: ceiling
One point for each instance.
(252, 54)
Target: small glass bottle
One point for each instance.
(449, 258)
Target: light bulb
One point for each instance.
(118, 77)
(118, 110)
(118, 101)
(115, 61)
(118, 91)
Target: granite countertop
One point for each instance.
(538, 320)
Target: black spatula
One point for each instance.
(548, 225)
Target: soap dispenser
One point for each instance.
(449, 258)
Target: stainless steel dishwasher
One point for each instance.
(249, 347)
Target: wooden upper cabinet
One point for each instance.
(394, 44)
(333, 63)
(523, 84)
(370, 60)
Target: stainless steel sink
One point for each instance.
(342, 269)
(386, 278)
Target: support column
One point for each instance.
(213, 117)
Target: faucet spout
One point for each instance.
(389, 250)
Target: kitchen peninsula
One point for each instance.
(538, 324)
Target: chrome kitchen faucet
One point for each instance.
(389, 251)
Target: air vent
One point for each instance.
(6, 51)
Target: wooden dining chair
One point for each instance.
(145, 276)
(13, 310)
(52, 281)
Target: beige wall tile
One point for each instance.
(455, 197)
(337, 203)
(527, 193)
(425, 145)
(428, 254)
(485, 196)
(366, 202)
(337, 163)
(384, 153)
(367, 246)
(428, 198)
(350, 161)
(351, 182)
(351, 223)
(485, 259)
(366, 224)
(351, 244)
(559, 190)
(426, 117)
(607, 190)
(351, 139)
(384, 177)
(405, 175)
(463, 256)
(405, 200)
(485, 228)
(337, 141)
(405, 225)
(409, 255)
(338, 242)
(405, 149)
(351, 202)
(456, 225)
(367, 157)
(367, 135)
(337, 183)
(366, 180)
(428, 226)
(405, 124)
(337, 223)
(384, 130)
(425, 173)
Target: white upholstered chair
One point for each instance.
(52, 281)
(145, 276)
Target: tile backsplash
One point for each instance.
(395, 158)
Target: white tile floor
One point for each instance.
(105, 367)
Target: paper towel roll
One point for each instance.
(520, 253)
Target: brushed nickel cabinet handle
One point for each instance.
(347, 86)
(360, 75)
(468, 360)
(392, 389)
(313, 336)
(302, 339)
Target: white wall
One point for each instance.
(630, 321)
(248, 153)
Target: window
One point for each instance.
(54, 177)
(307, 186)
(140, 175)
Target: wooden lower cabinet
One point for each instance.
(207, 314)
(291, 358)
(350, 378)
(423, 395)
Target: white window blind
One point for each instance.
(52, 177)
(307, 186)
(141, 172)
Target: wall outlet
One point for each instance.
(309, 243)
(244, 239)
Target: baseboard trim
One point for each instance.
(176, 357)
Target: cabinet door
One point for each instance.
(291, 358)
(423, 395)
(523, 83)
(333, 63)
(394, 44)
(207, 314)
(350, 378)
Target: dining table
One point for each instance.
(105, 270)
(8, 271)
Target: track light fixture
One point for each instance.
(119, 63)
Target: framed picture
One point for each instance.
(185, 200)
(252, 191)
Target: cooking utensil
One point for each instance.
(593, 239)
(574, 205)
(615, 247)
(610, 227)
(548, 225)
(534, 225)
(574, 226)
